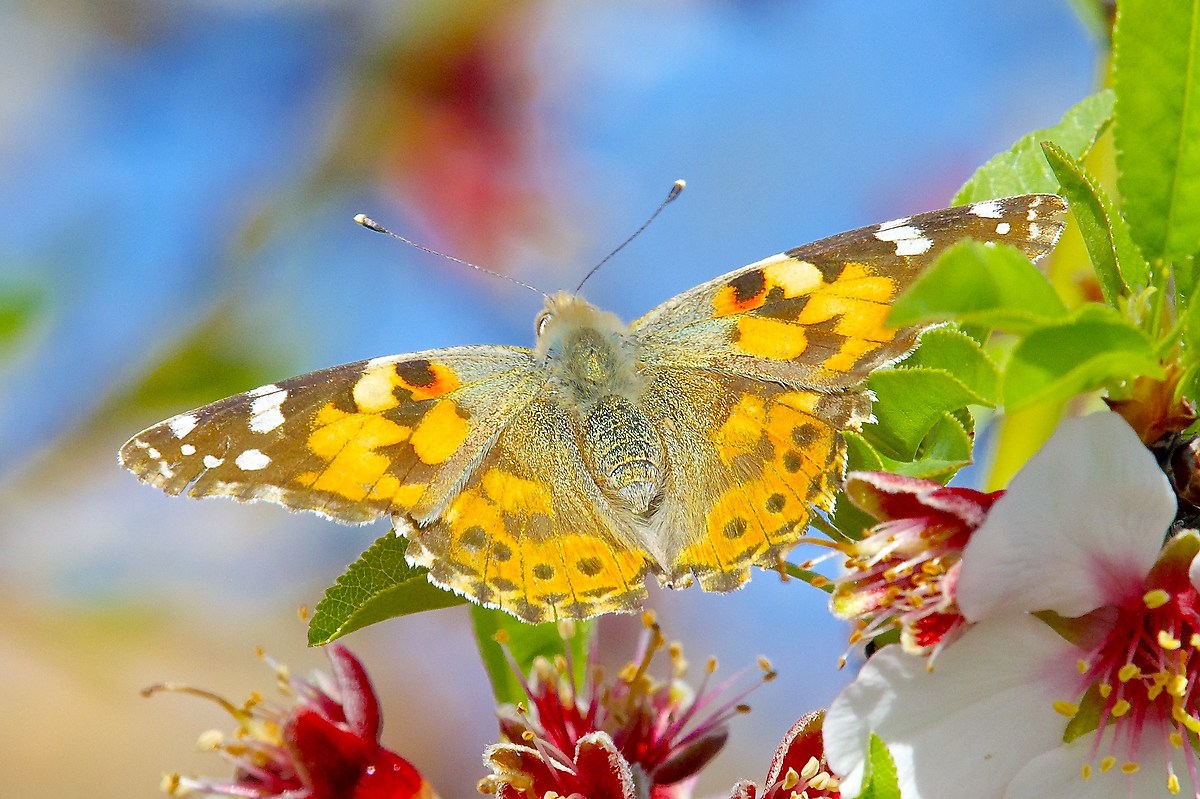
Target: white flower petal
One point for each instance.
(1057, 773)
(965, 728)
(1194, 572)
(1079, 527)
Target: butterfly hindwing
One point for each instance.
(529, 531)
(751, 460)
(815, 315)
(352, 442)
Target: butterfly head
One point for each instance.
(587, 349)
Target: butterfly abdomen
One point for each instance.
(623, 453)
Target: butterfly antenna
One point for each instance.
(675, 191)
(371, 224)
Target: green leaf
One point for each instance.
(1023, 169)
(525, 643)
(1118, 262)
(1058, 361)
(1156, 76)
(910, 401)
(952, 350)
(880, 780)
(980, 284)
(20, 304)
(379, 585)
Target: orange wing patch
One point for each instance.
(788, 453)
(751, 288)
(530, 534)
(851, 308)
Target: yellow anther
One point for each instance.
(855, 637)
(819, 581)
(527, 735)
(711, 665)
(1081, 666)
(1156, 599)
(1120, 708)
(791, 779)
(566, 629)
(1173, 783)
(810, 768)
(1168, 641)
(765, 665)
(1128, 672)
(1176, 740)
(1105, 690)
(1065, 708)
(1178, 685)
(1107, 763)
(209, 740)
(1130, 767)
(648, 619)
(171, 785)
(820, 781)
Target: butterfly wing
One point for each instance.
(353, 442)
(530, 532)
(754, 375)
(814, 315)
(750, 460)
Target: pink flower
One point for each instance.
(1095, 695)
(903, 571)
(634, 736)
(325, 745)
(798, 769)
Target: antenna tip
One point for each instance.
(368, 223)
(676, 189)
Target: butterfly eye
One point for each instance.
(540, 323)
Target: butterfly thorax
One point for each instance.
(594, 376)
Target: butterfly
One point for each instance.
(692, 444)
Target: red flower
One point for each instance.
(632, 737)
(799, 767)
(325, 746)
(903, 571)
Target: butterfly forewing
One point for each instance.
(816, 315)
(352, 442)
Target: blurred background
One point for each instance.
(177, 182)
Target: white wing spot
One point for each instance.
(212, 462)
(252, 460)
(187, 449)
(913, 246)
(1003, 228)
(266, 413)
(182, 425)
(153, 453)
(895, 223)
(909, 240)
(165, 470)
(269, 388)
(1035, 232)
(988, 209)
(141, 444)
(898, 233)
